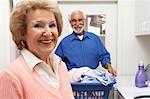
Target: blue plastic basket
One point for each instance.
(91, 90)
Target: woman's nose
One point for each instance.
(47, 31)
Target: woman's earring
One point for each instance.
(23, 43)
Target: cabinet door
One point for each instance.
(95, 8)
(142, 17)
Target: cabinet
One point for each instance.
(142, 17)
(126, 88)
(118, 95)
(115, 94)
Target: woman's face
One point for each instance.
(42, 33)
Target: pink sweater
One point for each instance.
(19, 82)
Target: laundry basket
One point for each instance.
(91, 90)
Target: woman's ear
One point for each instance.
(24, 36)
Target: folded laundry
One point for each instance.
(75, 73)
(87, 75)
(101, 76)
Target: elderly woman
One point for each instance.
(37, 73)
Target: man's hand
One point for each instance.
(111, 69)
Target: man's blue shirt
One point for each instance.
(86, 52)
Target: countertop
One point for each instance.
(126, 86)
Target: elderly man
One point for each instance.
(81, 48)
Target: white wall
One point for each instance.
(131, 49)
(7, 47)
(4, 33)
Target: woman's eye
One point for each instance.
(38, 26)
(52, 25)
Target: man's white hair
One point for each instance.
(77, 11)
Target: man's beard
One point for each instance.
(79, 31)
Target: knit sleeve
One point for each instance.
(9, 87)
